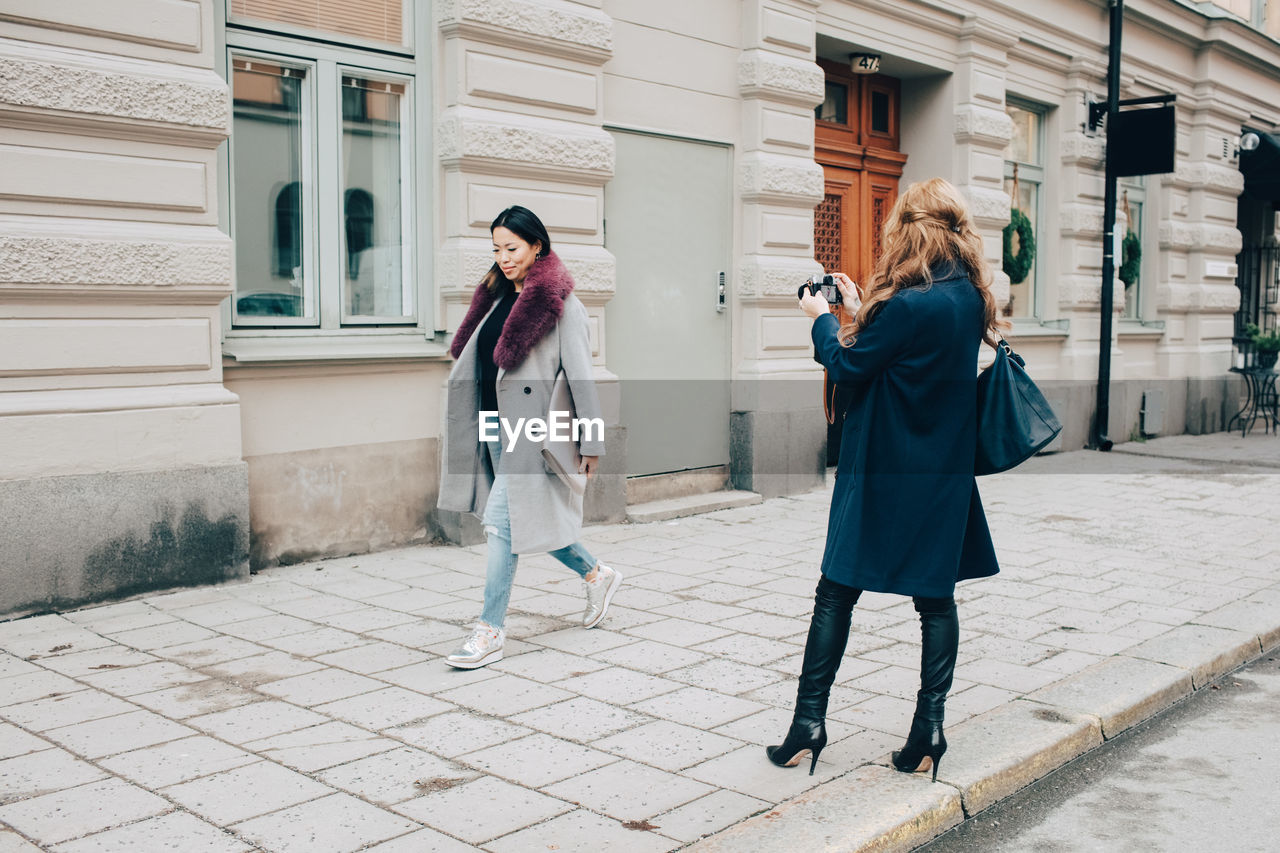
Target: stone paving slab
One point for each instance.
(871, 809)
(311, 708)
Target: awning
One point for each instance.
(1261, 167)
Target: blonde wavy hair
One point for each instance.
(929, 224)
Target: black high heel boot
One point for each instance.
(926, 740)
(801, 737)
(939, 643)
(823, 651)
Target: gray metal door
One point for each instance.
(669, 224)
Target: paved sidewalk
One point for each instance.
(310, 709)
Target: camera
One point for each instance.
(824, 286)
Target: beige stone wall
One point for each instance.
(111, 264)
(343, 456)
(111, 272)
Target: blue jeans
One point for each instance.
(501, 571)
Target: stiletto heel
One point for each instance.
(801, 738)
(926, 740)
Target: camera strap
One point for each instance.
(828, 385)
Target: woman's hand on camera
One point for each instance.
(848, 292)
(813, 305)
(589, 466)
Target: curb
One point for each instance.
(875, 809)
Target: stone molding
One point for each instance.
(64, 260)
(141, 92)
(1083, 220)
(770, 276)
(1203, 175)
(463, 262)
(466, 135)
(1200, 236)
(780, 179)
(92, 400)
(986, 32)
(785, 79)
(553, 27)
(1079, 291)
(978, 124)
(987, 204)
(1183, 298)
(1083, 150)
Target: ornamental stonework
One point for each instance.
(1082, 219)
(557, 21)
(1193, 236)
(75, 261)
(585, 149)
(974, 123)
(774, 276)
(66, 88)
(1208, 176)
(987, 204)
(460, 268)
(779, 77)
(784, 179)
(592, 273)
(1181, 298)
(1082, 149)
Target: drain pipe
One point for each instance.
(1103, 409)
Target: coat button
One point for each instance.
(528, 390)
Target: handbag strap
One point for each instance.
(1002, 344)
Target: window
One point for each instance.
(835, 105)
(1023, 178)
(321, 162)
(1128, 264)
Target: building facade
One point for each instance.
(235, 236)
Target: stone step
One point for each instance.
(690, 505)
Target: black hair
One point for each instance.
(526, 225)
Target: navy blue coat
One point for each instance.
(905, 514)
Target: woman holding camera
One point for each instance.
(523, 327)
(905, 514)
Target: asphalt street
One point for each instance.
(1201, 776)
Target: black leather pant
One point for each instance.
(829, 635)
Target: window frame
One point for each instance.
(407, 139)
(1137, 190)
(1035, 174)
(311, 297)
(254, 341)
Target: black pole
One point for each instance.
(1100, 440)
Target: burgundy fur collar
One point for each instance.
(537, 310)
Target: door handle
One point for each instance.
(720, 293)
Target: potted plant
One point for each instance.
(1266, 345)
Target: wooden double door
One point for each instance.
(857, 138)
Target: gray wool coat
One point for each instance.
(545, 513)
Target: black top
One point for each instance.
(486, 341)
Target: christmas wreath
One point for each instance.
(1017, 266)
(1131, 258)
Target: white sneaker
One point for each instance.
(483, 647)
(599, 593)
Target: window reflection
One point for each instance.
(268, 224)
(835, 106)
(373, 233)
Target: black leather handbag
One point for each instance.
(1015, 421)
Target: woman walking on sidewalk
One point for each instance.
(905, 514)
(524, 326)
